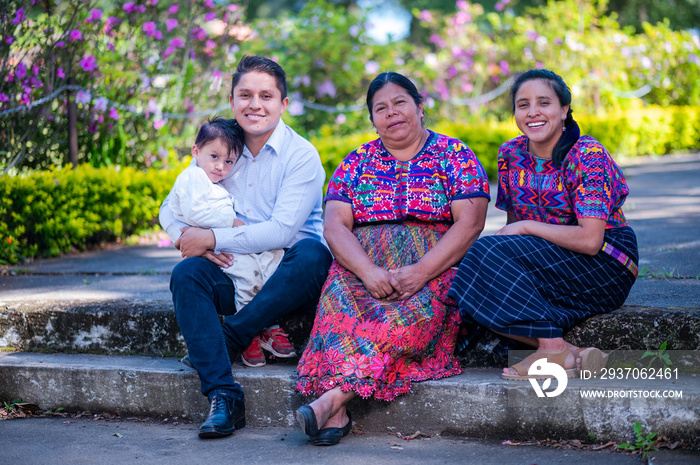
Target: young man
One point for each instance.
(277, 186)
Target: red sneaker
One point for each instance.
(253, 356)
(275, 341)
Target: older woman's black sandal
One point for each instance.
(307, 420)
(332, 436)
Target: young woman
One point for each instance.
(566, 252)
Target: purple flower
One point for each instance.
(531, 35)
(461, 4)
(210, 16)
(210, 44)
(20, 16)
(21, 71)
(110, 46)
(168, 51)
(9, 40)
(60, 74)
(499, 6)
(505, 68)
(89, 63)
(149, 27)
(173, 9)
(199, 33)
(113, 113)
(154, 2)
(463, 17)
(327, 88)
(129, 7)
(152, 107)
(75, 35)
(177, 42)
(341, 118)
(60, 44)
(372, 67)
(171, 24)
(35, 70)
(157, 125)
(210, 4)
(100, 104)
(295, 108)
(425, 15)
(95, 15)
(114, 20)
(3, 97)
(83, 97)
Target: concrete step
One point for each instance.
(149, 327)
(475, 404)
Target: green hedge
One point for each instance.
(645, 131)
(46, 213)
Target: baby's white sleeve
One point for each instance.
(202, 203)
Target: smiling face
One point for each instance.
(215, 159)
(539, 116)
(257, 104)
(396, 116)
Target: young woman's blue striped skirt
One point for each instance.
(528, 286)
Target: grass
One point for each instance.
(644, 443)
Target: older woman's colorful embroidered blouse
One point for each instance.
(588, 185)
(382, 188)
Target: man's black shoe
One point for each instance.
(226, 415)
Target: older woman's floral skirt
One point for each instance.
(379, 347)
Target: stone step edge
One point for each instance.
(149, 328)
(474, 404)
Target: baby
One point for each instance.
(199, 199)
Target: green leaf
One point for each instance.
(663, 346)
(637, 427)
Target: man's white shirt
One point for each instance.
(278, 195)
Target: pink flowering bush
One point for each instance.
(329, 60)
(137, 52)
(142, 64)
(472, 52)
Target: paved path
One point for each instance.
(663, 209)
(95, 442)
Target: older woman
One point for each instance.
(400, 212)
(566, 252)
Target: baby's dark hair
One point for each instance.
(228, 130)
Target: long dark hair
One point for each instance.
(394, 78)
(572, 133)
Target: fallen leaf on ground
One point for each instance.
(603, 446)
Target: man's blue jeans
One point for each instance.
(201, 291)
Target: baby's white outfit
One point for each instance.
(197, 201)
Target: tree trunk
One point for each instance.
(72, 126)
